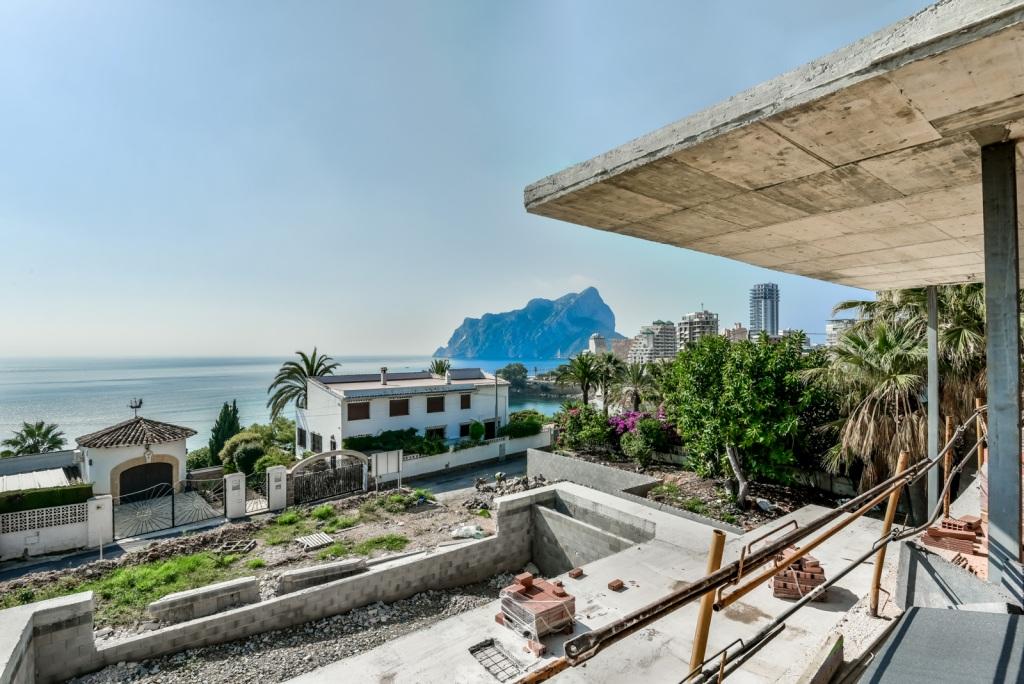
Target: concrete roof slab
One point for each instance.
(874, 142)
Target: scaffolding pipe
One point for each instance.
(747, 648)
(947, 464)
(700, 635)
(890, 515)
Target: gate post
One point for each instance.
(234, 495)
(277, 488)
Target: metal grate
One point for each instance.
(495, 661)
(238, 546)
(315, 541)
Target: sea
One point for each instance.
(83, 395)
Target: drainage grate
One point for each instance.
(495, 661)
(316, 540)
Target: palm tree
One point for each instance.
(635, 383)
(35, 438)
(439, 367)
(877, 372)
(609, 370)
(290, 382)
(582, 371)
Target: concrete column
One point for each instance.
(234, 495)
(1002, 323)
(100, 516)
(934, 485)
(277, 488)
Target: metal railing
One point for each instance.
(585, 646)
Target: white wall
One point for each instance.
(481, 409)
(321, 415)
(416, 467)
(98, 462)
(31, 533)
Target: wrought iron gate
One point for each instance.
(164, 506)
(326, 484)
(256, 493)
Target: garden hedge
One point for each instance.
(29, 499)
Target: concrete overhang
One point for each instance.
(861, 168)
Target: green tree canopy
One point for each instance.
(39, 437)
(439, 366)
(289, 385)
(516, 375)
(225, 427)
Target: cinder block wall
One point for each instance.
(594, 475)
(561, 542)
(60, 642)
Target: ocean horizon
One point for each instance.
(85, 394)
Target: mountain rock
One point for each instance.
(543, 329)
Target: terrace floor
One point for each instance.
(659, 652)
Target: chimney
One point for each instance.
(383, 375)
(448, 377)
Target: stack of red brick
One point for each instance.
(962, 535)
(535, 607)
(798, 579)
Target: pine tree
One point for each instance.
(226, 427)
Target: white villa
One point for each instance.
(342, 406)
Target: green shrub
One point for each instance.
(484, 513)
(255, 563)
(227, 454)
(522, 424)
(391, 440)
(200, 458)
(583, 428)
(637, 447)
(288, 518)
(28, 499)
(341, 523)
(386, 542)
(323, 512)
(335, 550)
(421, 493)
(477, 431)
(275, 457)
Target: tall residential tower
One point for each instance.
(764, 309)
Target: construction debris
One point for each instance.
(616, 585)
(576, 573)
(237, 546)
(487, 492)
(795, 581)
(962, 535)
(317, 540)
(535, 607)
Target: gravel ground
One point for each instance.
(286, 653)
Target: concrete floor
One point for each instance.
(659, 652)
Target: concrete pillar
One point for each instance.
(1002, 323)
(934, 485)
(277, 488)
(234, 495)
(100, 517)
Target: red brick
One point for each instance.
(576, 573)
(616, 585)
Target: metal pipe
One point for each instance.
(947, 463)
(890, 514)
(978, 435)
(700, 635)
(738, 593)
(769, 631)
(581, 648)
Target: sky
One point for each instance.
(250, 178)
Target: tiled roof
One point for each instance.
(137, 431)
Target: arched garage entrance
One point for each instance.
(146, 481)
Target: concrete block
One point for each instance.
(195, 603)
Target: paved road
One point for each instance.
(448, 484)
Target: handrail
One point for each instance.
(769, 631)
(586, 645)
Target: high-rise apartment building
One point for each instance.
(835, 328)
(764, 309)
(655, 341)
(694, 326)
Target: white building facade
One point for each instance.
(835, 328)
(655, 342)
(696, 325)
(343, 406)
(764, 309)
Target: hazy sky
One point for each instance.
(193, 177)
